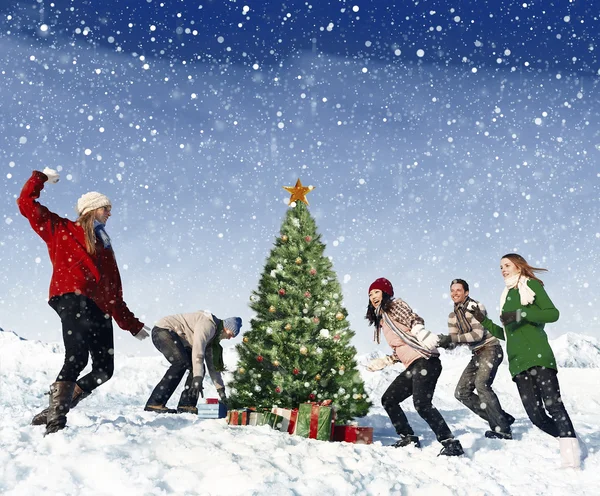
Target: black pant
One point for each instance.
(479, 376)
(418, 380)
(540, 392)
(179, 356)
(86, 331)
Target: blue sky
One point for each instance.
(438, 139)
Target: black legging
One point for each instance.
(418, 380)
(539, 391)
(86, 331)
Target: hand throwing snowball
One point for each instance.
(85, 289)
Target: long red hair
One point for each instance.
(526, 269)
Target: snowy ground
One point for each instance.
(113, 447)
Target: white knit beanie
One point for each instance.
(91, 201)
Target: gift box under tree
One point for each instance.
(289, 419)
(238, 417)
(353, 434)
(211, 410)
(315, 421)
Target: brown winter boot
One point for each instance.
(61, 395)
(78, 395)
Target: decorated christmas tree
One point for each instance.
(298, 347)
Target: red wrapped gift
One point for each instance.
(212, 401)
(353, 434)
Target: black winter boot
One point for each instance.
(498, 435)
(509, 418)
(407, 440)
(61, 395)
(78, 395)
(451, 447)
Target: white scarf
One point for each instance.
(526, 294)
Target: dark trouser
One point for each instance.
(418, 380)
(540, 392)
(479, 375)
(86, 331)
(180, 357)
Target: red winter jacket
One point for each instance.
(74, 269)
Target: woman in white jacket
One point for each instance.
(187, 341)
(415, 347)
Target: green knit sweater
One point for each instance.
(526, 341)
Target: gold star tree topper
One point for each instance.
(298, 192)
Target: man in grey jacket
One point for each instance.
(188, 341)
(479, 375)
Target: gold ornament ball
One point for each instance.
(298, 261)
(276, 363)
(242, 370)
(288, 327)
(342, 367)
(272, 309)
(339, 316)
(359, 396)
(318, 377)
(284, 238)
(245, 340)
(303, 350)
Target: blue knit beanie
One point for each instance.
(233, 324)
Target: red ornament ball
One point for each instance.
(336, 337)
(296, 371)
(278, 389)
(311, 396)
(313, 272)
(308, 239)
(259, 358)
(307, 294)
(282, 291)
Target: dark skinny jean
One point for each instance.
(86, 331)
(479, 376)
(179, 356)
(418, 380)
(540, 393)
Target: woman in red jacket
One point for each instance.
(85, 291)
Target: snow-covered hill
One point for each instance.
(113, 447)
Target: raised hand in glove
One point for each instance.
(380, 363)
(143, 333)
(445, 341)
(222, 396)
(476, 312)
(51, 174)
(196, 387)
(510, 317)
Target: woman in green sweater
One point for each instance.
(525, 309)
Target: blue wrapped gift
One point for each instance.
(212, 410)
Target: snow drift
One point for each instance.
(111, 446)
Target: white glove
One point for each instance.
(380, 363)
(426, 338)
(143, 334)
(431, 341)
(53, 176)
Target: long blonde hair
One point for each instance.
(86, 221)
(526, 269)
